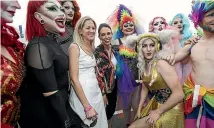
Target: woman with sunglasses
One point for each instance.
(125, 28)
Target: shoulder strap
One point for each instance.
(78, 47)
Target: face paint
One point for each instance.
(68, 8)
(158, 25)
(178, 23)
(148, 49)
(128, 28)
(52, 16)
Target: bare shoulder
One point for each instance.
(73, 49)
(163, 65)
(74, 46)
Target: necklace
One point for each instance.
(89, 51)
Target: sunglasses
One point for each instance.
(128, 25)
(91, 125)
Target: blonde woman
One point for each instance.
(86, 97)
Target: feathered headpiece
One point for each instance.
(120, 16)
(199, 8)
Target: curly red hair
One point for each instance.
(77, 13)
(151, 27)
(9, 38)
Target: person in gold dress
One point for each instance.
(161, 84)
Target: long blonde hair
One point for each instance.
(141, 39)
(80, 24)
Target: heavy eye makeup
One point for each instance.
(175, 22)
(128, 25)
(53, 7)
(155, 24)
(145, 45)
(67, 7)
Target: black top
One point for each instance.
(47, 71)
(66, 40)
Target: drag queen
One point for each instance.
(126, 27)
(44, 94)
(12, 69)
(160, 82)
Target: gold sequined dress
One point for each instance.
(160, 92)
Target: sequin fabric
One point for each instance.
(11, 77)
(174, 118)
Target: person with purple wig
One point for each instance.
(199, 87)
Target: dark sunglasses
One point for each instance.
(128, 25)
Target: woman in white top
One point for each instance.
(86, 97)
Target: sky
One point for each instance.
(99, 10)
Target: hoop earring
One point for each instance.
(42, 22)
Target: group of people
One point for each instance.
(163, 77)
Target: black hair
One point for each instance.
(102, 25)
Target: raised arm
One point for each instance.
(183, 53)
(179, 56)
(73, 53)
(40, 62)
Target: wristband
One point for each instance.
(88, 108)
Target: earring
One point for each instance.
(42, 21)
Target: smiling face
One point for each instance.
(178, 23)
(105, 35)
(53, 17)
(208, 21)
(128, 28)
(88, 31)
(159, 25)
(68, 8)
(148, 48)
(8, 10)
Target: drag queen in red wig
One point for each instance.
(12, 70)
(44, 95)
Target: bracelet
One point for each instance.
(88, 108)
